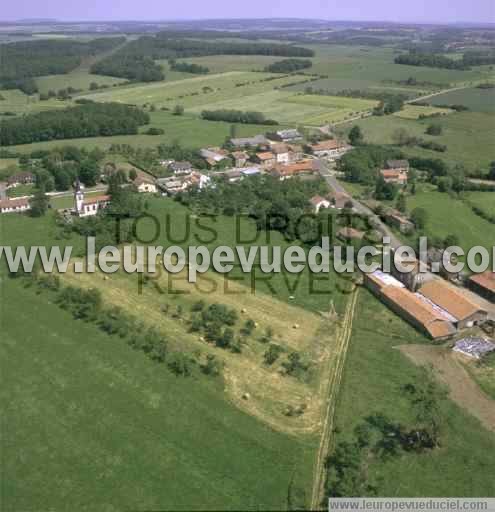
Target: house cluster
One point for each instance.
(21, 178)
(181, 182)
(332, 200)
(280, 154)
(17, 205)
(396, 172)
(437, 308)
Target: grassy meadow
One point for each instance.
(468, 136)
(88, 420)
(476, 99)
(416, 111)
(77, 79)
(374, 375)
(452, 216)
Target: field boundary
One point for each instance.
(331, 387)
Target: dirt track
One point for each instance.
(464, 391)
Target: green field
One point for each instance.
(20, 103)
(375, 66)
(416, 111)
(451, 216)
(76, 79)
(223, 63)
(100, 426)
(476, 99)
(374, 375)
(189, 130)
(468, 136)
(484, 200)
(254, 94)
(90, 422)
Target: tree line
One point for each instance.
(136, 68)
(85, 120)
(21, 61)
(237, 116)
(186, 67)
(288, 65)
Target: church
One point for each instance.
(88, 207)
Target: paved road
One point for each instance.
(359, 207)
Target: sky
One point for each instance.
(359, 10)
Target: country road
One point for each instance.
(359, 207)
(331, 386)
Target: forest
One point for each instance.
(21, 61)
(86, 120)
(288, 65)
(133, 67)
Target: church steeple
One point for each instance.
(78, 196)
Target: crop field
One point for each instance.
(77, 79)
(196, 91)
(241, 91)
(476, 99)
(468, 136)
(373, 381)
(417, 111)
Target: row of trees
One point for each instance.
(85, 120)
(432, 60)
(21, 61)
(288, 65)
(237, 116)
(186, 67)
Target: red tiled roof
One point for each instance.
(485, 280)
(14, 203)
(97, 199)
(450, 299)
(327, 145)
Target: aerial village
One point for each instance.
(442, 305)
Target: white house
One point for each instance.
(145, 185)
(281, 152)
(319, 202)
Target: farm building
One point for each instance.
(397, 220)
(266, 159)
(21, 178)
(291, 135)
(398, 165)
(446, 296)
(412, 307)
(213, 156)
(395, 176)
(318, 202)
(331, 148)
(350, 234)
(14, 205)
(177, 184)
(413, 275)
(245, 142)
(281, 152)
(240, 158)
(483, 284)
(339, 200)
(180, 167)
(284, 172)
(474, 347)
